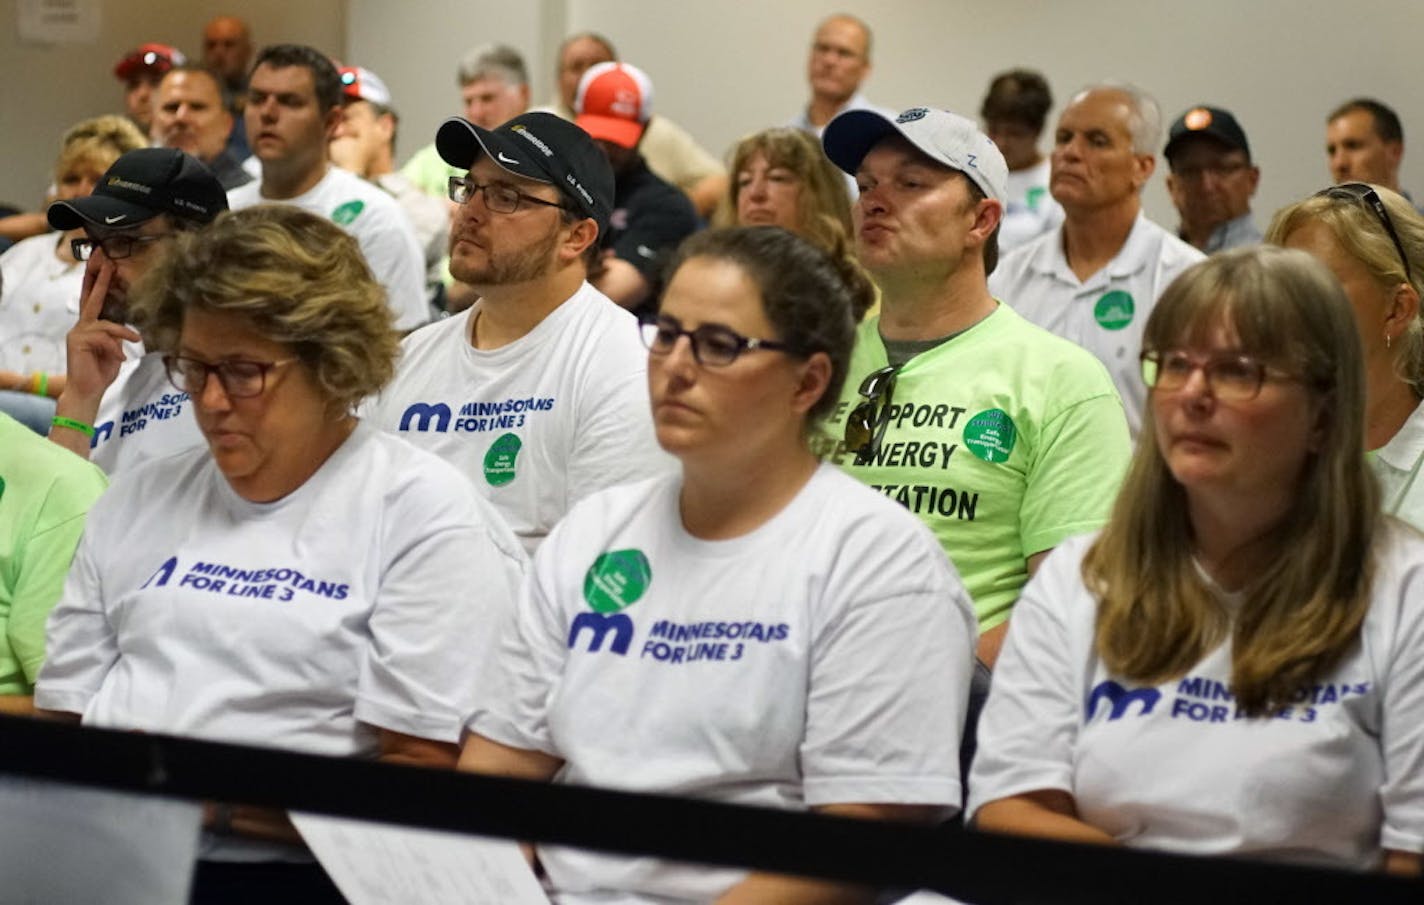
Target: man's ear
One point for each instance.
(333, 118)
(582, 234)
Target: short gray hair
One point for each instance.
(1145, 123)
(493, 60)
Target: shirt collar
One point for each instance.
(1049, 258)
(1406, 447)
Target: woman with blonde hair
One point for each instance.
(41, 276)
(1235, 665)
(305, 580)
(781, 177)
(1372, 239)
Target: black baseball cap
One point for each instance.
(141, 185)
(538, 146)
(1213, 122)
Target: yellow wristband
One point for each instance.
(85, 429)
(41, 383)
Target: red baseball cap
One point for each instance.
(157, 58)
(614, 103)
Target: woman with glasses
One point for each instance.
(1372, 239)
(41, 277)
(758, 628)
(1235, 664)
(781, 177)
(304, 581)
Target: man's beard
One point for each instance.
(503, 269)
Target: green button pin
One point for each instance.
(617, 580)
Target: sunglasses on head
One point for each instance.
(1365, 194)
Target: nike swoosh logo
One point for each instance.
(503, 159)
(111, 220)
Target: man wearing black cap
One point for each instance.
(538, 392)
(1212, 179)
(118, 409)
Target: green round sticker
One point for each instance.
(347, 212)
(1114, 310)
(617, 580)
(499, 461)
(990, 435)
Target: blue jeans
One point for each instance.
(30, 410)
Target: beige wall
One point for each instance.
(727, 67)
(415, 48)
(47, 89)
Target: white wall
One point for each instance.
(728, 67)
(416, 45)
(46, 89)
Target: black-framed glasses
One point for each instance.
(115, 247)
(240, 379)
(1231, 376)
(864, 425)
(713, 345)
(1363, 192)
(502, 199)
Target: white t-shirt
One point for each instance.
(380, 226)
(1104, 314)
(1331, 779)
(1397, 465)
(142, 416)
(39, 302)
(537, 424)
(381, 576)
(822, 658)
(1029, 210)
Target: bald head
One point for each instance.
(227, 48)
(840, 58)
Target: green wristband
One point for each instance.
(85, 429)
(43, 388)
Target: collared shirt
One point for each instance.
(858, 101)
(1105, 313)
(1397, 465)
(1231, 234)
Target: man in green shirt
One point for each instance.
(1003, 438)
(45, 491)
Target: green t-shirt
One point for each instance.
(45, 491)
(1004, 439)
(429, 171)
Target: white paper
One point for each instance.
(59, 21)
(376, 864)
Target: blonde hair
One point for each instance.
(1156, 616)
(822, 206)
(1360, 234)
(99, 141)
(298, 278)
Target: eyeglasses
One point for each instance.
(713, 345)
(116, 248)
(240, 379)
(502, 199)
(1359, 191)
(861, 434)
(1231, 377)
(1220, 171)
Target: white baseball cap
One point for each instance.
(944, 137)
